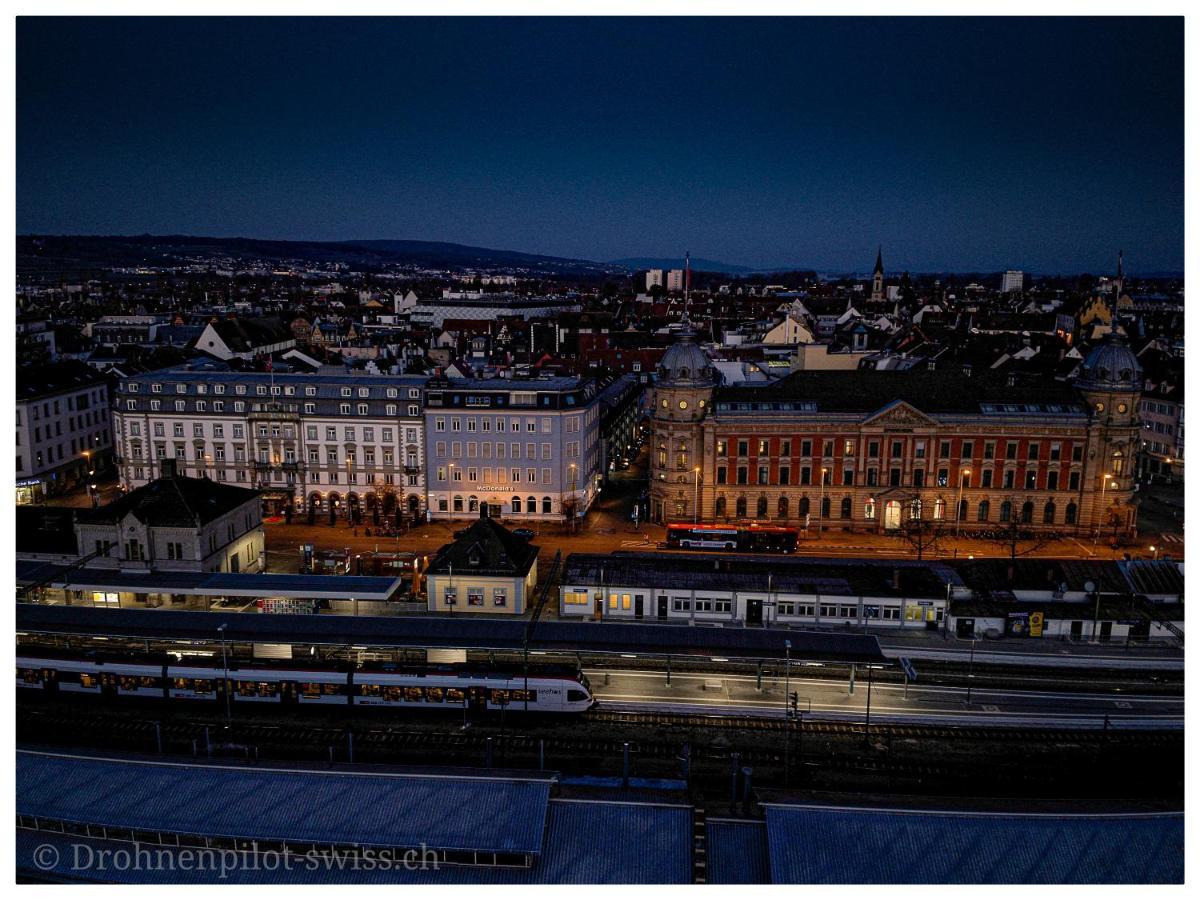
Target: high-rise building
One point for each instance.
(675, 280)
(1014, 280)
(654, 278)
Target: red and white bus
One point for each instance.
(751, 538)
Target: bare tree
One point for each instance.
(921, 535)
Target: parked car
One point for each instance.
(527, 534)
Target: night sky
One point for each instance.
(972, 144)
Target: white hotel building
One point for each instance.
(327, 442)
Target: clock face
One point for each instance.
(664, 404)
(701, 404)
(683, 404)
(1121, 407)
(1099, 407)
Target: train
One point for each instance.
(545, 690)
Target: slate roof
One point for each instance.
(173, 501)
(937, 391)
(245, 335)
(55, 378)
(810, 845)
(486, 548)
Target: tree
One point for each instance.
(921, 535)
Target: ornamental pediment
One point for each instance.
(899, 414)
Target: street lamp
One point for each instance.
(225, 666)
(696, 516)
(787, 679)
(821, 506)
(1103, 508)
(958, 507)
(1154, 550)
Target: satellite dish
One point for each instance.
(1089, 586)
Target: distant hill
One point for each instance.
(700, 265)
(64, 253)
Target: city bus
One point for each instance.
(751, 538)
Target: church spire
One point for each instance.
(877, 277)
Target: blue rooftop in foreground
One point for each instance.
(821, 845)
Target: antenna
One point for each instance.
(687, 283)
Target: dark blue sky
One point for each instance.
(957, 144)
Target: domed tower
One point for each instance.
(1110, 381)
(681, 395)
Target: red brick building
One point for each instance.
(870, 450)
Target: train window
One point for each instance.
(413, 694)
(519, 696)
(393, 693)
(257, 688)
(129, 683)
(574, 696)
(331, 689)
(435, 695)
(197, 685)
(455, 695)
(29, 676)
(498, 697)
(310, 689)
(368, 690)
(88, 680)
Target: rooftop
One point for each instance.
(727, 572)
(55, 378)
(821, 845)
(931, 391)
(486, 548)
(172, 501)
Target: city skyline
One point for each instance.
(990, 144)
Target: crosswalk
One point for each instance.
(1172, 539)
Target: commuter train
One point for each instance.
(545, 690)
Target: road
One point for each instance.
(828, 699)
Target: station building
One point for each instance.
(869, 450)
(719, 589)
(486, 569)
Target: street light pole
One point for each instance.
(696, 516)
(225, 667)
(821, 506)
(958, 505)
(970, 670)
(787, 680)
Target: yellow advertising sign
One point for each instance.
(1036, 621)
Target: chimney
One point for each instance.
(167, 469)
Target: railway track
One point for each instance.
(818, 727)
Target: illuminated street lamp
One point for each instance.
(821, 505)
(958, 506)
